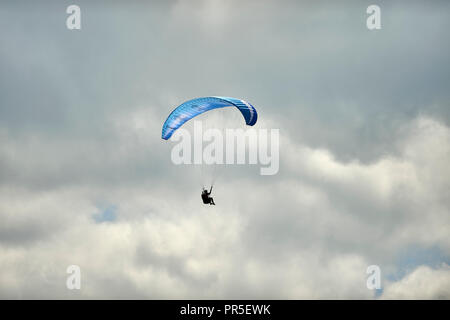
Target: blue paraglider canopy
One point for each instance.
(193, 108)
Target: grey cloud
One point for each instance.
(364, 125)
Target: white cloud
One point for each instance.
(301, 234)
(422, 283)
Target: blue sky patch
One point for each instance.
(107, 214)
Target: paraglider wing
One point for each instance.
(193, 108)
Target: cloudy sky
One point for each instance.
(364, 179)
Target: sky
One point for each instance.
(364, 122)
